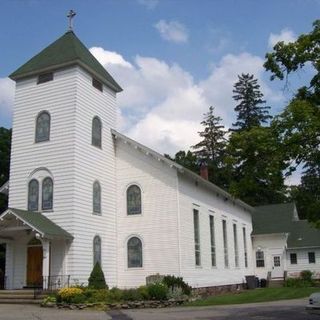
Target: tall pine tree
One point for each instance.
(251, 110)
(211, 149)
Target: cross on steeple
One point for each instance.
(71, 15)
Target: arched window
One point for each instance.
(47, 194)
(133, 200)
(96, 197)
(43, 127)
(33, 195)
(96, 132)
(134, 253)
(96, 250)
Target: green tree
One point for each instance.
(96, 279)
(251, 109)
(5, 149)
(186, 159)
(211, 149)
(298, 125)
(256, 170)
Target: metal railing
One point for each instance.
(56, 282)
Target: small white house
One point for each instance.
(80, 192)
(284, 245)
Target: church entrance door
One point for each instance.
(34, 265)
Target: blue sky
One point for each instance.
(173, 58)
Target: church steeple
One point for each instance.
(68, 50)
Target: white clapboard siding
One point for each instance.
(194, 196)
(303, 262)
(157, 226)
(91, 164)
(272, 244)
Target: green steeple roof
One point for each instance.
(67, 50)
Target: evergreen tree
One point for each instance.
(96, 279)
(251, 110)
(211, 149)
(5, 147)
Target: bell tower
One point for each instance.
(63, 158)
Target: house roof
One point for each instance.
(282, 218)
(181, 169)
(67, 50)
(38, 222)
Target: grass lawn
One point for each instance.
(257, 295)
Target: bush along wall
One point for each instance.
(170, 291)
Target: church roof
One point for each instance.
(38, 222)
(282, 218)
(67, 50)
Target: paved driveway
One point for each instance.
(281, 310)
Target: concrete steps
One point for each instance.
(20, 297)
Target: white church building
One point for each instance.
(80, 192)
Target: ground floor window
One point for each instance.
(312, 257)
(260, 259)
(293, 258)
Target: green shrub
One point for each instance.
(114, 295)
(144, 293)
(93, 295)
(306, 275)
(96, 279)
(158, 291)
(173, 282)
(131, 295)
(78, 299)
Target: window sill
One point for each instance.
(100, 148)
(97, 214)
(43, 141)
(47, 210)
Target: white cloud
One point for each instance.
(286, 35)
(107, 58)
(150, 4)
(162, 105)
(172, 31)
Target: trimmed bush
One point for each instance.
(158, 291)
(173, 283)
(131, 295)
(96, 279)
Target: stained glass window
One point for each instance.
(133, 200)
(33, 195)
(47, 194)
(96, 197)
(96, 132)
(134, 253)
(96, 250)
(43, 127)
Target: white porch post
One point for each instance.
(46, 263)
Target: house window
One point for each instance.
(96, 250)
(133, 200)
(260, 259)
(96, 197)
(42, 127)
(212, 241)
(312, 257)
(33, 195)
(225, 243)
(236, 249)
(45, 77)
(196, 237)
(293, 258)
(244, 233)
(134, 253)
(47, 194)
(96, 132)
(97, 84)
